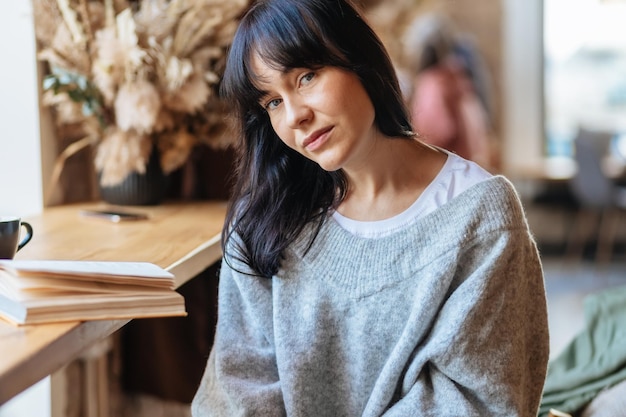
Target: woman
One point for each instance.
(365, 273)
(445, 106)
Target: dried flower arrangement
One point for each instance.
(133, 75)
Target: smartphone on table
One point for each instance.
(115, 216)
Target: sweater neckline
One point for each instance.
(362, 266)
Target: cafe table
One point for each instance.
(182, 237)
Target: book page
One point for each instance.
(131, 269)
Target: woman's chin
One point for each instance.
(328, 166)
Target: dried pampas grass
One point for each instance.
(66, 110)
(147, 71)
(189, 97)
(107, 73)
(137, 106)
(174, 148)
(119, 154)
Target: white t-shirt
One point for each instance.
(456, 176)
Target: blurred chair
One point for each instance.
(600, 200)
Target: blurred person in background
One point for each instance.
(448, 94)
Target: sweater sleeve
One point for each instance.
(241, 377)
(487, 352)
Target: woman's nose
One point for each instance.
(297, 112)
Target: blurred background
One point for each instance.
(549, 79)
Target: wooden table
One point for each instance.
(183, 238)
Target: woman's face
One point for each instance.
(325, 114)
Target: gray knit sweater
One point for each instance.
(444, 318)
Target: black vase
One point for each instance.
(146, 189)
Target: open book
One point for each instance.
(43, 291)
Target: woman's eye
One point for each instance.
(272, 104)
(307, 78)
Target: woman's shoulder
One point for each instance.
(494, 200)
(496, 189)
(463, 173)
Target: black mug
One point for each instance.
(10, 243)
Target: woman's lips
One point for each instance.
(316, 139)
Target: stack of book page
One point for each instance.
(44, 291)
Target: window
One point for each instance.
(584, 70)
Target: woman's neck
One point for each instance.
(397, 174)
